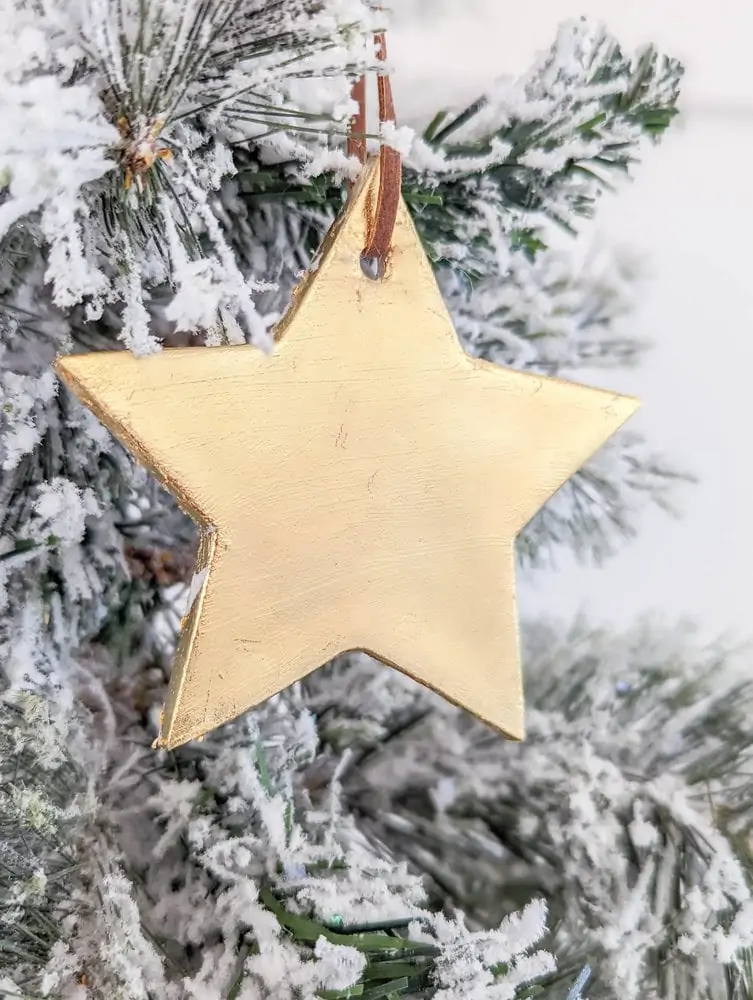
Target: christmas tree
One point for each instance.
(167, 172)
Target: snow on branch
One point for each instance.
(627, 807)
(119, 119)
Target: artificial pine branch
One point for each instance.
(627, 807)
(135, 108)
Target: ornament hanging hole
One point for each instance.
(372, 267)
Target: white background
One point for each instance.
(689, 212)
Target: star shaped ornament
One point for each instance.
(360, 488)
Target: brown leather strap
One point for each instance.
(382, 225)
(357, 134)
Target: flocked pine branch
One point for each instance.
(119, 118)
(42, 797)
(539, 148)
(627, 807)
(254, 865)
(213, 875)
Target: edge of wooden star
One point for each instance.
(513, 729)
(71, 369)
(170, 735)
(367, 183)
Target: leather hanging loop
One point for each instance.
(379, 237)
(357, 133)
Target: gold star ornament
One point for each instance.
(360, 488)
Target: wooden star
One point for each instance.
(360, 488)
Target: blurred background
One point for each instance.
(689, 217)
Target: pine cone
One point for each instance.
(161, 566)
